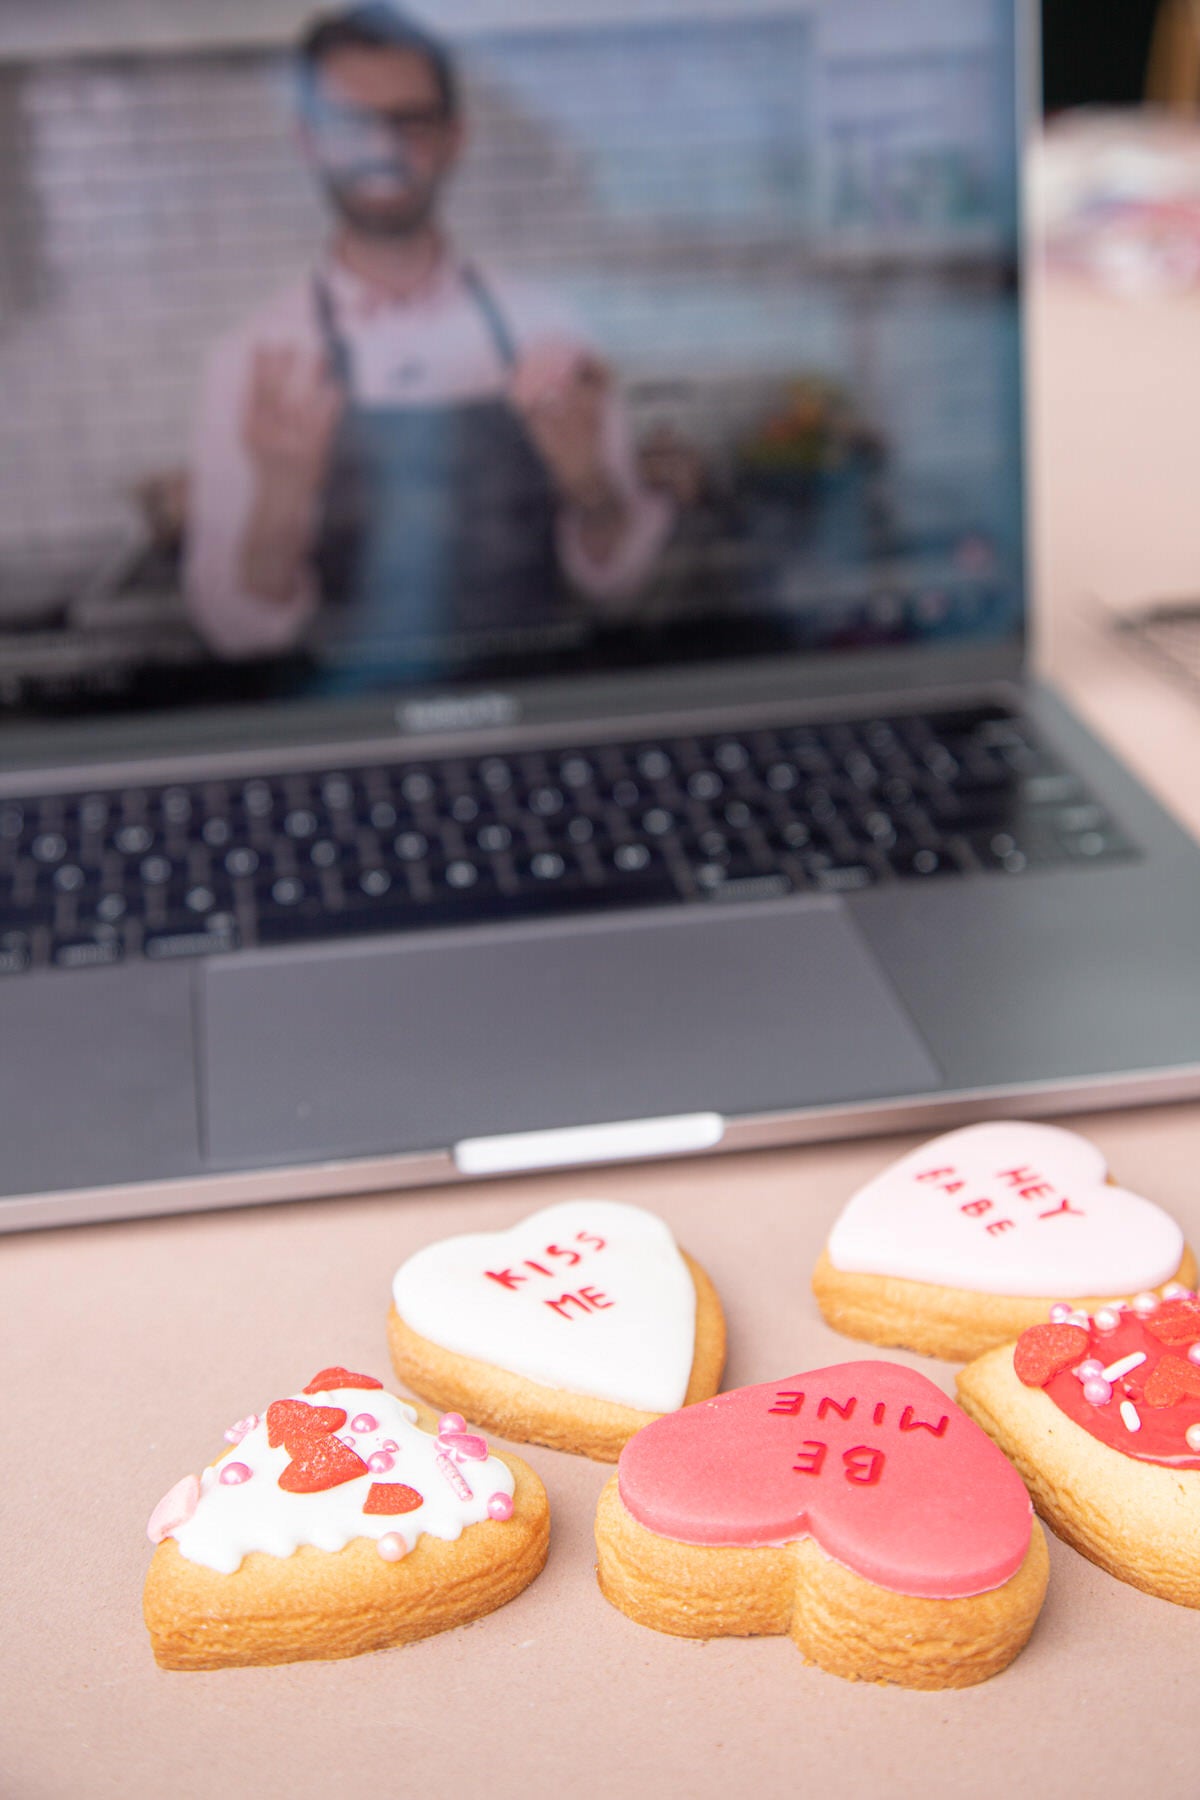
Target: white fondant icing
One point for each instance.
(636, 1348)
(258, 1514)
(910, 1222)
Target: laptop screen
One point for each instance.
(504, 338)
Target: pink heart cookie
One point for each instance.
(967, 1240)
(857, 1489)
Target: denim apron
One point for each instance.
(438, 521)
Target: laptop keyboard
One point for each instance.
(191, 869)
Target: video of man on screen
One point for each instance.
(422, 351)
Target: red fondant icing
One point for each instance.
(290, 1421)
(1045, 1349)
(1161, 1436)
(319, 1463)
(392, 1497)
(884, 1486)
(1171, 1380)
(1176, 1322)
(330, 1379)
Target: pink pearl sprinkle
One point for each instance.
(1175, 1290)
(392, 1547)
(1145, 1303)
(390, 1444)
(1059, 1312)
(452, 1422)
(1106, 1319)
(1192, 1436)
(379, 1462)
(1098, 1392)
(364, 1422)
(500, 1507)
(1194, 1353)
(1090, 1370)
(233, 1474)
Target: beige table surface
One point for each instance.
(126, 1349)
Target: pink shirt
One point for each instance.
(432, 347)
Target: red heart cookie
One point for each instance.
(870, 1459)
(854, 1508)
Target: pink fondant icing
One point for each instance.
(174, 1509)
(870, 1459)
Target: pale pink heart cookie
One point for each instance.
(574, 1327)
(967, 1240)
(854, 1507)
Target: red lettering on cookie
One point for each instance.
(588, 1237)
(1045, 1350)
(572, 1256)
(536, 1267)
(1065, 1206)
(1036, 1190)
(596, 1299)
(864, 1466)
(1017, 1178)
(507, 1278)
(789, 1401)
(561, 1304)
(910, 1422)
(337, 1377)
(933, 1174)
(975, 1209)
(844, 1409)
(880, 1410)
(999, 1225)
(391, 1498)
(814, 1454)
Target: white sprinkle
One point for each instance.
(1129, 1416)
(1115, 1370)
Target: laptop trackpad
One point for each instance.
(414, 1044)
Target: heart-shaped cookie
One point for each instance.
(573, 1327)
(298, 1544)
(1101, 1414)
(854, 1506)
(964, 1241)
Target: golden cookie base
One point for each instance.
(839, 1621)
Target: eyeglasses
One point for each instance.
(339, 125)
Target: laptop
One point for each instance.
(513, 607)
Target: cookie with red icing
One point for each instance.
(968, 1239)
(338, 1521)
(574, 1327)
(855, 1508)
(1101, 1413)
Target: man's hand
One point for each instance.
(290, 416)
(291, 413)
(561, 392)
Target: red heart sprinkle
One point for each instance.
(392, 1497)
(1046, 1350)
(290, 1422)
(337, 1377)
(1172, 1379)
(1175, 1322)
(319, 1463)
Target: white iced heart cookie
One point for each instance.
(965, 1241)
(573, 1327)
